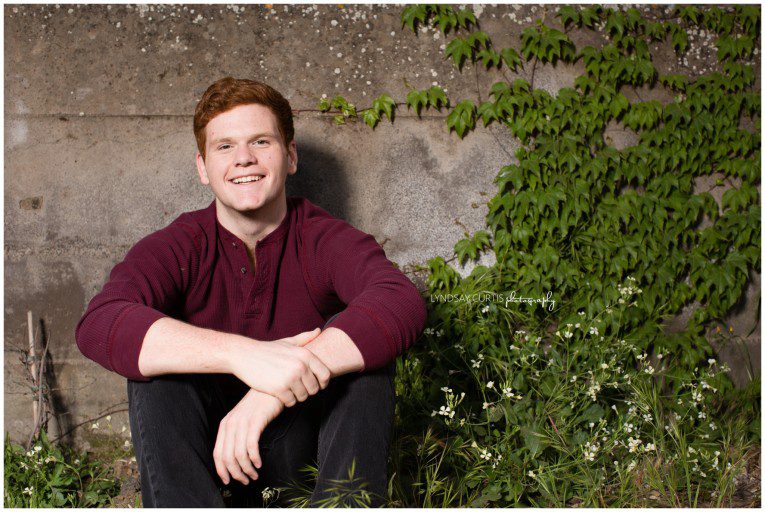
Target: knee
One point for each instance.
(164, 396)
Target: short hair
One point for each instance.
(229, 92)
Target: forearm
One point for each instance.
(337, 351)
(172, 346)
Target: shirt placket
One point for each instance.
(256, 285)
(244, 273)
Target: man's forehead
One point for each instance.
(242, 121)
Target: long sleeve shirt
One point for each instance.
(310, 267)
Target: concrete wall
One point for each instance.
(100, 151)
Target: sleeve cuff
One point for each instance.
(127, 340)
(369, 334)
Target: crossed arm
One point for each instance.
(279, 373)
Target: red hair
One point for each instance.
(228, 93)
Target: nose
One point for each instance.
(244, 156)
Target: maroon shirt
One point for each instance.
(309, 268)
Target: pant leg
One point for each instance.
(352, 419)
(357, 425)
(174, 421)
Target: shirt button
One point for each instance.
(244, 270)
(234, 244)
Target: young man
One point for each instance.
(215, 322)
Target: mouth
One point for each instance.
(248, 180)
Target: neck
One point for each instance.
(253, 226)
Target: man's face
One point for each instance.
(245, 142)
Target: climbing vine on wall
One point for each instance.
(574, 214)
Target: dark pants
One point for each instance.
(174, 422)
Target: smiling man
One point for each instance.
(216, 321)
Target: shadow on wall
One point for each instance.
(320, 179)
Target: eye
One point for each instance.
(223, 146)
(258, 142)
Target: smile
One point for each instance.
(247, 179)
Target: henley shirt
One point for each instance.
(310, 267)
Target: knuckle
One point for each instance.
(300, 367)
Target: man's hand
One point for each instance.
(236, 453)
(281, 368)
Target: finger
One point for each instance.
(311, 383)
(299, 390)
(229, 456)
(303, 338)
(287, 398)
(220, 467)
(253, 450)
(242, 453)
(320, 371)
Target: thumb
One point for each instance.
(303, 338)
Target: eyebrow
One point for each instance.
(229, 139)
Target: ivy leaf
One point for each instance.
(615, 24)
(478, 37)
(689, 13)
(384, 104)
(489, 58)
(675, 82)
(530, 39)
(499, 90)
(416, 100)
(437, 98)
(412, 14)
(323, 105)
(370, 117)
(679, 38)
(511, 58)
(462, 118)
(459, 50)
(446, 19)
(465, 17)
(487, 111)
(339, 102)
(619, 104)
(470, 247)
(568, 14)
(442, 276)
(589, 16)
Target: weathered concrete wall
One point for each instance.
(100, 151)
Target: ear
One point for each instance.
(202, 170)
(292, 156)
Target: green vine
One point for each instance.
(582, 398)
(575, 214)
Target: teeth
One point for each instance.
(247, 179)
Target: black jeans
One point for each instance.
(174, 423)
